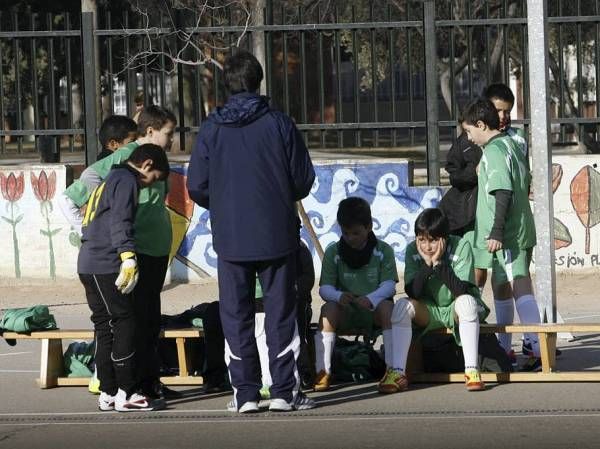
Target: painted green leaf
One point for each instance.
(44, 233)
(562, 236)
(8, 220)
(18, 219)
(75, 239)
(56, 231)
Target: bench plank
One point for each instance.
(88, 334)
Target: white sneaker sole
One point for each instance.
(248, 407)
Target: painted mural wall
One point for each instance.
(37, 242)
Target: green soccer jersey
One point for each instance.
(518, 135)
(503, 166)
(458, 255)
(152, 225)
(360, 281)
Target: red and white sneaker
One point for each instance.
(106, 402)
(134, 403)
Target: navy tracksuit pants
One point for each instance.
(237, 282)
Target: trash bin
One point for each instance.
(48, 148)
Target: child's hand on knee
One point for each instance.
(364, 302)
(346, 298)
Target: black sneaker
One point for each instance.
(528, 351)
(161, 392)
(532, 364)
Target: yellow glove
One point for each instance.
(128, 274)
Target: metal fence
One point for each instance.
(352, 74)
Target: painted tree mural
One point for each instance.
(585, 197)
(12, 190)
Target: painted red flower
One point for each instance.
(12, 186)
(44, 186)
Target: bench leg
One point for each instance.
(547, 351)
(51, 364)
(182, 357)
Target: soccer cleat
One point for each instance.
(247, 407)
(134, 403)
(532, 364)
(106, 402)
(322, 381)
(528, 351)
(392, 382)
(473, 380)
(300, 402)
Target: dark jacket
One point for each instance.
(108, 224)
(460, 202)
(249, 166)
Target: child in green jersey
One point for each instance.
(504, 226)
(440, 282)
(153, 237)
(358, 282)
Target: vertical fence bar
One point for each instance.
(545, 279)
(180, 91)
(411, 103)
(431, 81)
(34, 80)
(392, 77)
(357, 139)
(52, 109)
(2, 138)
(374, 76)
(580, 105)
(597, 67)
(69, 81)
(89, 77)
(128, 94)
(284, 68)
(109, 64)
(18, 93)
(163, 80)
(304, 106)
(269, 48)
(561, 66)
(338, 71)
(321, 71)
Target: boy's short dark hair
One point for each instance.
(499, 91)
(432, 222)
(354, 211)
(154, 116)
(243, 73)
(153, 152)
(116, 127)
(482, 110)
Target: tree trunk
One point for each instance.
(258, 37)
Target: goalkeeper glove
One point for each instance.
(128, 274)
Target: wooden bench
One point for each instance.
(52, 363)
(547, 338)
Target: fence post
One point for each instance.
(541, 151)
(431, 94)
(89, 87)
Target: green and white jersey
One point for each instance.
(458, 255)
(152, 227)
(518, 135)
(503, 166)
(361, 281)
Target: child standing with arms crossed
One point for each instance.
(108, 270)
(504, 226)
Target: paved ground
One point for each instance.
(351, 416)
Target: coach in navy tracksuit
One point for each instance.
(249, 166)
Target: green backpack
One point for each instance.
(355, 361)
(79, 359)
(30, 319)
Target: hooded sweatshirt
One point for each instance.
(248, 167)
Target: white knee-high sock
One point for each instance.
(469, 338)
(324, 342)
(388, 346)
(529, 313)
(401, 337)
(505, 314)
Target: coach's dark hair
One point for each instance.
(154, 116)
(116, 127)
(156, 154)
(499, 91)
(243, 73)
(483, 110)
(354, 211)
(432, 222)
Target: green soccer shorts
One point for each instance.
(506, 264)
